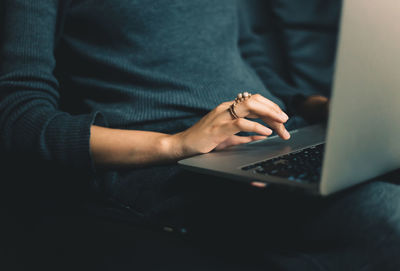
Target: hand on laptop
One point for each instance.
(218, 129)
(314, 108)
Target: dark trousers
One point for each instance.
(357, 229)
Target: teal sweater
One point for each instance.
(129, 64)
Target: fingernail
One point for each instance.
(284, 116)
(268, 131)
(286, 134)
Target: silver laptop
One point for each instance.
(362, 138)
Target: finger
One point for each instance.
(255, 109)
(257, 137)
(244, 125)
(279, 128)
(233, 141)
(266, 101)
(238, 140)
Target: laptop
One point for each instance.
(361, 139)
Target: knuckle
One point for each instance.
(254, 126)
(276, 107)
(220, 108)
(273, 125)
(223, 106)
(280, 127)
(257, 96)
(249, 103)
(238, 122)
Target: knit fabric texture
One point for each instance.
(128, 64)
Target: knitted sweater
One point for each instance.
(128, 64)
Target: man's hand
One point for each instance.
(314, 108)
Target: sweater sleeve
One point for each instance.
(262, 46)
(30, 119)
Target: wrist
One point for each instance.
(180, 148)
(172, 146)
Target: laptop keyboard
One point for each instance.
(301, 166)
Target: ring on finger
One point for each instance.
(240, 98)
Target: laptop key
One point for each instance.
(300, 166)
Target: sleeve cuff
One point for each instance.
(66, 139)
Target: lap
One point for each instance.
(359, 227)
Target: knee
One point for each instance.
(375, 210)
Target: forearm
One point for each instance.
(216, 130)
(132, 148)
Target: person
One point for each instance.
(110, 94)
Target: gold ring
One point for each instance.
(239, 98)
(231, 111)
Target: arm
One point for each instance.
(216, 130)
(30, 119)
(125, 148)
(31, 122)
